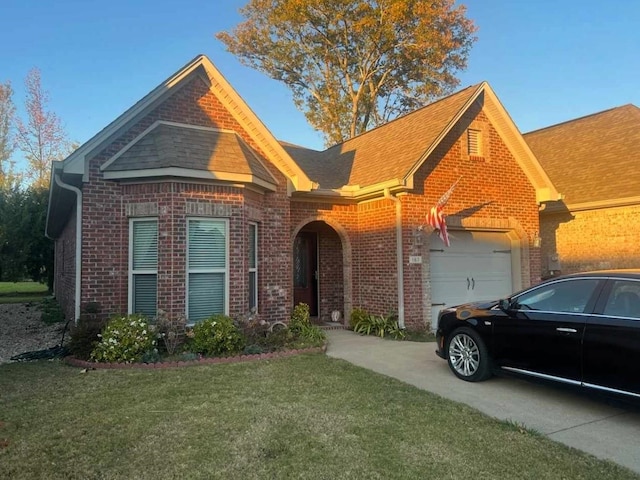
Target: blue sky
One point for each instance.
(548, 61)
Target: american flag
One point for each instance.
(435, 217)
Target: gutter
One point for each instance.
(399, 256)
(78, 254)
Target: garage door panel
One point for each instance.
(476, 267)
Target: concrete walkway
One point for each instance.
(608, 431)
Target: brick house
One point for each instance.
(186, 202)
(593, 161)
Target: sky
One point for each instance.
(548, 61)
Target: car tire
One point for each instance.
(468, 356)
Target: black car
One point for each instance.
(581, 329)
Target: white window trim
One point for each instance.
(254, 269)
(133, 272)
(224, 270)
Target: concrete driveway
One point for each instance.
(607, 430)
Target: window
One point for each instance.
(207, 275)
(624, 299)
(253, 267)
(569, 296)
(143, 266)
(474, 142)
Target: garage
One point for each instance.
(477, 266)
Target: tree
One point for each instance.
(42, 139)
(8, 176)
(355, 64)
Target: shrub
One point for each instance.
(51, 311)
(299, 317)
(302, 332)
(217, 335)
(380, 326)
(84, 336)
(126, 338)
(357, 314)
(171, 330)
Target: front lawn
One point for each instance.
(307, 417)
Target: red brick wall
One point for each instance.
(65, 267)
(489, 188)
(492, 187)
(591, 240)
(375, 269)
(106, 237)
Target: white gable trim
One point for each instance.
(500, 119)
(188, 173)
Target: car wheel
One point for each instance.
(467, 355)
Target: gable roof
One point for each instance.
(390, 154)
(592, 159)
(173, 149)
(200, 65)
(384, 153)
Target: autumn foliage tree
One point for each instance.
(355, 64)
(42, 138)
(8, 176)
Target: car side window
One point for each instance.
(624, 299)
(569, 296)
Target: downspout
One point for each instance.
(78, 258)
(399, 256)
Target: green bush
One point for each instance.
(357, 314)
(217, 335)
(84, 337)
(51, 311)
(302, 333)
(300, 317)
(126, 338)
(380, 326)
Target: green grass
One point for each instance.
(21, 292)
(308, 417)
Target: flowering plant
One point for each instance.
(216, 335)
(125, 338)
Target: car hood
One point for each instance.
(474, 309)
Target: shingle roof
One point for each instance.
(385, 153)
(593, 158)
(182, 146)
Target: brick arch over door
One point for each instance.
(347, 256)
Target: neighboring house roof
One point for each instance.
(173, 149)
(389, 155)
(594, 159)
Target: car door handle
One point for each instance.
(566, 330)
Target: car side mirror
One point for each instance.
(505, 304)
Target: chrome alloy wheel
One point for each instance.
(464, 354)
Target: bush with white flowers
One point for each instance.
(125, 339)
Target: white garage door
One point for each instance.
(477, 266)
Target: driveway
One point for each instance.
(604, 429)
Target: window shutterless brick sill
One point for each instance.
(477, 158)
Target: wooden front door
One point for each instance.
(305, 271)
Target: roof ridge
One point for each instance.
(584, 117)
